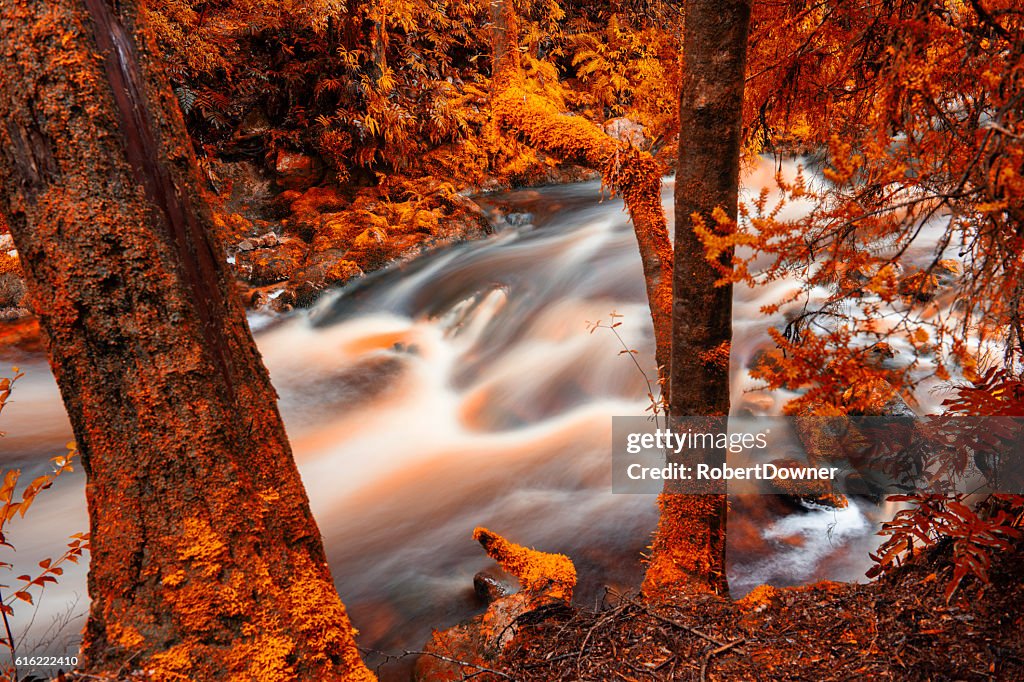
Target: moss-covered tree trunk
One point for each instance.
(689, 546)
(635, 174)
(206, 561)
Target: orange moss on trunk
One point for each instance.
(689, 546)
(206, 561)
(635, 174)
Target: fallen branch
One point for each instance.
(714, 652)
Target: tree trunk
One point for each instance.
(689, 546)
(636, 175)
(206, 561)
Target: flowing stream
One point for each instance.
(466, 388)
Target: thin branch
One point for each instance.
(715, 652)
(456, 661)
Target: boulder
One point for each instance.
(12, 286)
(258, 299)
(322, 270)
(260, 267)
(12, 314)
(489, 588)
(296, 170)
(12, 290)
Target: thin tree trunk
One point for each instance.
(206, 561)
(689, 546)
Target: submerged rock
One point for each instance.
(488, 588)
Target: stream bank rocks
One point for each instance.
(13, 292)
(307, 238)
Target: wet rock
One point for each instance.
(471, 212)
(269, 266)
(819, 492)
(245, 187)
(337, 270)
(489, 588)
(519, 219)
(563, 175)
(258, 299)
(264, 241)
(296, 170)
(306, 293)
(13, 314)
(286, 297)
(923, 286)
(281, 305)
(323, 270)
(919, 286)
(252, 132)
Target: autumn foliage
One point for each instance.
(405, 87)
(29, 587)
(373, 121)
(911, 112)
(972, 530)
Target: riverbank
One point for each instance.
(897, 628)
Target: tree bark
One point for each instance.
(206, 562)
(689, 546)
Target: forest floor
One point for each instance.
(897, 628)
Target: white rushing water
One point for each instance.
(465, 388)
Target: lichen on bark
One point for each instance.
(206, 561)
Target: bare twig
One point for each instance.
(619, 609)
(10, 639)
(456, 661)
(715, 652)
(656, 404)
